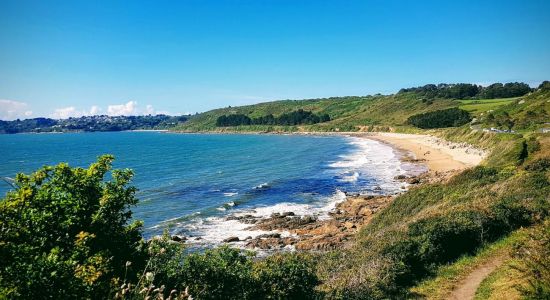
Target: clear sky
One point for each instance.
(68, 58)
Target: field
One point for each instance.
(483, 105)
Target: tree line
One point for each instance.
(440, 118)
(91, 123)
(293, 118)
(470, 91)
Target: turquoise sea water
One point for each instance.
(189, 183)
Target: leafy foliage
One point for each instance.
(65, 232)
(470, 91)
(223, 273)
(293, 118)
(228, 273)
(286, 276)
(440, 118)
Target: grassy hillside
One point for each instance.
(436, 224)
(528, 113)
(347, 113)
(381, 112)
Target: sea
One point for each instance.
(189, 184)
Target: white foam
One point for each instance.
(371, 159)
(214, 230)
(261, 186)
(230, 194)
(351, 178)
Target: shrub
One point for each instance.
(65, 232)
(286, 276)
(442, 239)
(479, 175)
(228, 273)
(222, 273)
(539, 165)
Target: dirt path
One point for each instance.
(466, 288)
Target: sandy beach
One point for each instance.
(438, 154)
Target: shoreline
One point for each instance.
(306, 233)
(438, 154)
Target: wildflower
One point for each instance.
(149, 276)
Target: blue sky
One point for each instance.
(69, 58)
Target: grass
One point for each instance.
(502, 283)
(447, 277)
(483, 105)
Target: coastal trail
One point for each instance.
(467, 287)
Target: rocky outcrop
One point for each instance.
(231, 239)
(310, 233)
(178, 238)
(285, 221)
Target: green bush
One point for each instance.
(65, 234)
(286, 276)
(539, 165)
(442, 239)
(228, 273)
(222, 273)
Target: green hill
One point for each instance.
(382, 112)
(527, 113)
(346, 113)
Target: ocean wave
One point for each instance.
(213, 230)
(351, 177)
(262, 186)
(230, 194)
(226, 206)
(370, 159)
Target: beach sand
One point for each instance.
(439, 155)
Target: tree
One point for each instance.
(64, 233)
(287, 119)
(440, 118)
(467, 90)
